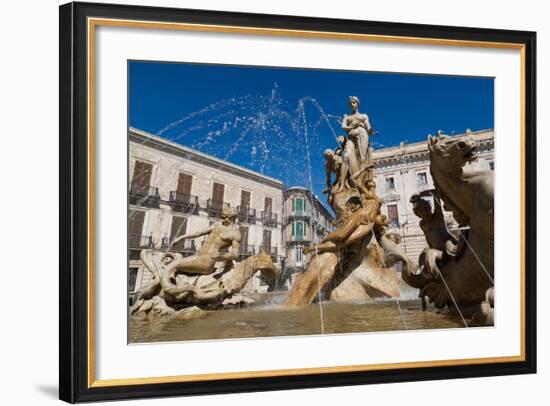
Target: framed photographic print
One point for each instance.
(257, 202)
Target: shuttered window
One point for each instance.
(185, 182)
(179, 227)
(141, 179)
(393, 215)
(244, 238)
(267, 240)
(217, 195)
(245, 199)
(135, 227)
(268, 205)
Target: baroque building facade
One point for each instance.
(174, 190)
(403, 171)
(306, 221)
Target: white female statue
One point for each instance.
(358, 127)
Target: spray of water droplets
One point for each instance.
(263, 132)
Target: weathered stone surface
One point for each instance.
(189, 313)
(306, 287)
(237, 300)
(369, 279)
(213, 290)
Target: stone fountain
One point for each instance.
(355, 261)
(210, 279)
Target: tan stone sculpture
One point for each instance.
(441, 243)
(358, 128)
(220, 237)
(207, 278)
(206, 291)
(349, 263)
(467, 276)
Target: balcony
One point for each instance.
(144, 196)
(298, 240)
(269, 219)
(183, 246)
(140, 241)
(246, 214)
(184, 203)
(246, 251)
(215, 208)
(298, 215)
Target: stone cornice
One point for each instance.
(161, 144)
(418, 152)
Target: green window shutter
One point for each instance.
(299, 230)
(305, 204)
(305, 229)
(292, 229)
(293, 205)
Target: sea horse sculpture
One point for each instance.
(466, 277)
(202, 290)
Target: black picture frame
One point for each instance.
(74, 200)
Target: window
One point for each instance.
(217, 195)
(183, 190)
(492, 165)
(393, 216)
(141, 179)
(135, 227)
(298, 255)
(422, 178)
(179, 227)
(268, 205)
(267, 241)
(299, 230)
(245, 199)
(244, 239)
(298, 205)
(132, 279)
(390, 183)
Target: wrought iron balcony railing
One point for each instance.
(299, 239)
(144, 196)
(140, 241)
(184, 202)
(215, 208)
(246, 214)
(185, 246)
(269, 218)
(246, 251)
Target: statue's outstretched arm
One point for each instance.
(343, 233)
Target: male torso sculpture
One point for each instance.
(220, 237)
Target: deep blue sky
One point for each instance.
(401, 107)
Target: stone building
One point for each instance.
(306, 221)
(174, 189)
(404, 170)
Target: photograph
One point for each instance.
(274, 202)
